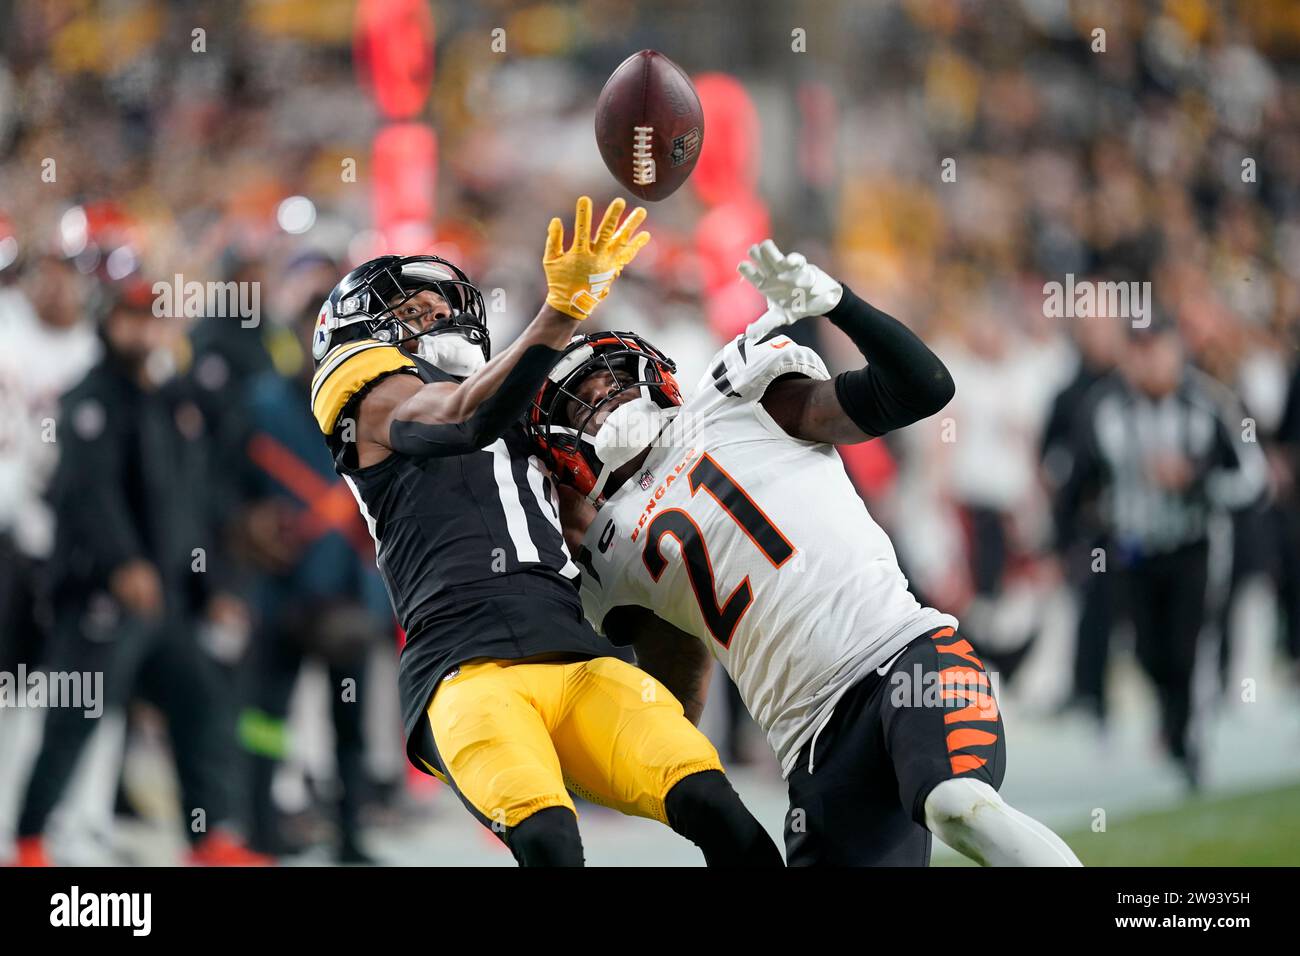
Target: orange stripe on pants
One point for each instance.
(961, 649)
(964, 762)
(984, 708)
(969, 737)
(965, 676)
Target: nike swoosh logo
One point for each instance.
(884, 668)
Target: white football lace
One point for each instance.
(643, 161)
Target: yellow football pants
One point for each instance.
(515, 738)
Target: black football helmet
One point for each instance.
(365, 302)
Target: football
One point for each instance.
(649, 125)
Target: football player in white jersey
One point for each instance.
(726, 524)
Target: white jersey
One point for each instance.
(758, 544)
(38, 363)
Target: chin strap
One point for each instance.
(594, 496)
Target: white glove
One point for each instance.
(794, 288)
(773, 318)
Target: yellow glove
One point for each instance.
(577, 279)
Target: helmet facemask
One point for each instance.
(458, 344)
(561, 419)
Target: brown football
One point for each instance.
(649, 125)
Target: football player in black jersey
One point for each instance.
(507, 693)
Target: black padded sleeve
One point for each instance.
(506, 406)
(903, 381)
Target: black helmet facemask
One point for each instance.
(458, 344)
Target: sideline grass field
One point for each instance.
(1250, 829)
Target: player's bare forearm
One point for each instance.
(445, 419)
(576, 516)
(903, 382)
(682, 665)
(809, 410)
(666, 653)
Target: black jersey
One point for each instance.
(458, 539)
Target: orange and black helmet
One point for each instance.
(558, 419)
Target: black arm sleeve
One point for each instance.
(903, 382)
(490, 420)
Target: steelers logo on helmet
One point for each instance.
(382, 300)
(320, 338)
(587, 437)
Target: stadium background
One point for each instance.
(287, 131)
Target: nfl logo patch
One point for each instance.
(685, 146)
(647, 479)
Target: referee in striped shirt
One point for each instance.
(1162, 446)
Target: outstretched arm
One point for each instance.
(903, 382)
(444, 418)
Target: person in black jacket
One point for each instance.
(131, 579)
(1163, 448)
(1099, 343)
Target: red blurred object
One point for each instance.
(728, 164)
(106, 224)
(9, 245)
(405, 176)
(221, 849)
(31, 852)
(393, 47)
(135, 293)
(723, 237)
(731, 308)
(725, 178)
(871, 467)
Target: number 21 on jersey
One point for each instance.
(721, 617)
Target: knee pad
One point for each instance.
(547, 838)
(957, 799)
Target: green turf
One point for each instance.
(1251, 829)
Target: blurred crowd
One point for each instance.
(946, 159)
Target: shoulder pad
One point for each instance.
(744, 369)
(348, 369)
